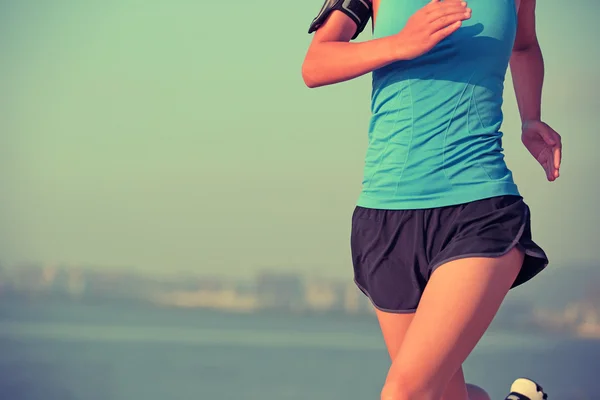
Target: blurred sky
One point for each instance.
(177, 135)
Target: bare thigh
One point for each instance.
(394, 327)
(457, 306)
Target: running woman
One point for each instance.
(440, 233)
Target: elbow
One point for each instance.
(312, 71)
(310, 84)
(308, 75)
(525, 47)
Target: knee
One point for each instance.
(407, 389)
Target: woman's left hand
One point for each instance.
(544, 144)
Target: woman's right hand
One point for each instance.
(429, 26)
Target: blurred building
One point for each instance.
(323, 295)
(282, 291)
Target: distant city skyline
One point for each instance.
(269, 291)
(151, 137)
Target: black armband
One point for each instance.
(358, 10)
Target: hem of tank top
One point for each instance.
(446, 199)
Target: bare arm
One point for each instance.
(527, 64)
(331, 58)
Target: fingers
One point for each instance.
(545, 161)
(557, 150)
(553, 139)
(446, 8)
(446, 14)
(449, 19)
(556, 160)
(547, 169)
(551, 156)
(444, 32)
(548, 160)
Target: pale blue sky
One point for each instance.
(173, 135)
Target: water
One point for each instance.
(116, 352)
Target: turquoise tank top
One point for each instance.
(434, 133)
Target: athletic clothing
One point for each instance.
(436, 187)
(434, 134)
(394, 252)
